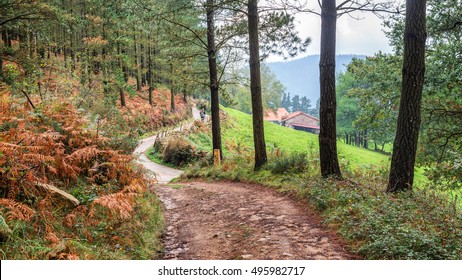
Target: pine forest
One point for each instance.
(150, 130)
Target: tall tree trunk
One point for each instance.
(142, 63)
(1, 60)
(1, 69)
(327, 136)
(104, 65)
(172, 89)
(33, 53)
(365, 141)
(121, 67)
(5, 37)
(86, 78)
(137, 64)
(214, 86)
(407, 132)
(149, 74)
(8, 39)
(255, 86)
(123, 103)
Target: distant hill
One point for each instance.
(301, 76)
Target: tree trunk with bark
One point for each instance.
(255, 86)
(142, 64)
(149, 74)
(409, 118)
(172, 89)
(1, 69)
(328, 134)
(214, 86)
(365, 140)
(137, 64)
(121, 66)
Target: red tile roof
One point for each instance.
(270, 115)
(294, 114)
(306, 126)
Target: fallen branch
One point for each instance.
(28, 98)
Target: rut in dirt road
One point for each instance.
(241, 221)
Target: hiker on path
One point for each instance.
(202, 114)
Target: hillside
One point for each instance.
(301, 76)
(352, 158)
(291, 140)
(237, 134)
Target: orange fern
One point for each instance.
(16, 210)
(118, 205)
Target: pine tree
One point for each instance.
(409, 118)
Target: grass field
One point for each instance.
(238, 131)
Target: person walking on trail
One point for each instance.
(202, 114)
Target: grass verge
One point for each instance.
(110, 239)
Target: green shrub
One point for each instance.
(446, 175)
(179, 152)
(125, 143)
(293, 163)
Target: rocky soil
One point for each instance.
(226, 220)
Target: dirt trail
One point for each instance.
(235, 221)
(162, 173)
(241, 221)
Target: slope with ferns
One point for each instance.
(58, 145)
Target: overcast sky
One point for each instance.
(363, 36)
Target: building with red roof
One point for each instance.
(275, 116)
(301, 121)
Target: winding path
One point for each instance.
(226, 220)
(163, 173)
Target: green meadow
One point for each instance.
(237, 130)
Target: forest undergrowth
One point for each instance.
(61, 141)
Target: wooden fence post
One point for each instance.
(216, 157)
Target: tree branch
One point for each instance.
(28, 98)
(19, 17)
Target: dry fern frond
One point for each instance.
(70, 220)
(67, 170)
(118, 204)
(136, 186)
(84, 156)
(16, 210)
(13, 190)
(37, 158)
(51, 235)
(44, 207)
(8, 146)
(36, 149)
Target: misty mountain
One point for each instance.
(301, 76)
